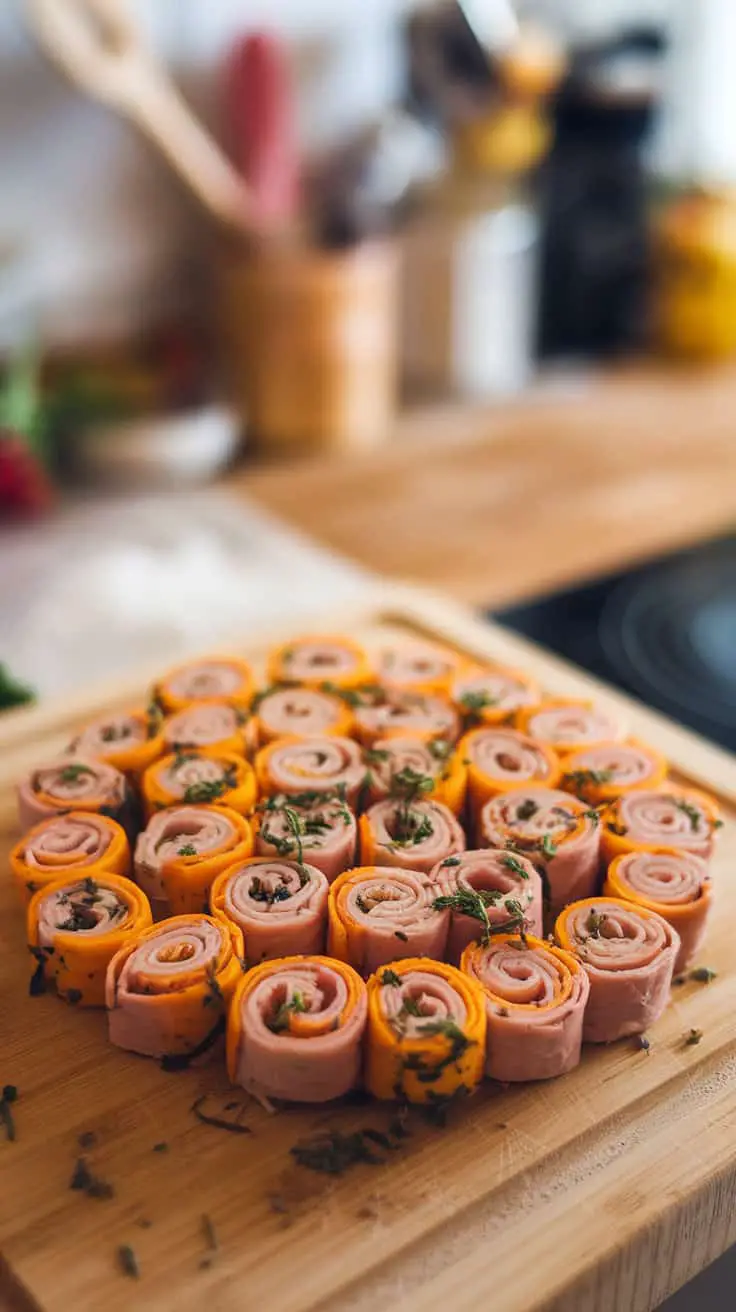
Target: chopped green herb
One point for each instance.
(451, 861)
(390, 977)
(161, 1147)
(71, 774)
(582, 779)
(279, 1022)
(594, 923)
(439, 748)
(692, 812)
(475, 902)
(527, 809)
(693, 1037)
(187, 850)
(210, 1234)
(399, 933)
(594, 815)
(334, 1152)
(9, 1096)
(411, 1007)
(703, 974)
(548, 847)
(84, 1181)
(128, 1262)
(217, 1122)
(515, 864)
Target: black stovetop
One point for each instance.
(665, 631)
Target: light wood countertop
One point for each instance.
(495, 504)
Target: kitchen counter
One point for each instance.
(493, 504)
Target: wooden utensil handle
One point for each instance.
(164, 117)
(97, 44)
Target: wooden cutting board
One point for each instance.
(600, 1192)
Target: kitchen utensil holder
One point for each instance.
(310, 345)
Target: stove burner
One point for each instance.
(672, 637)
(665, 632)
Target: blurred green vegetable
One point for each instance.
(12, 691)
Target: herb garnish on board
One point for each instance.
(9, 1096)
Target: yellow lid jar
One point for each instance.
(696, 276)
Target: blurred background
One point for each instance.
(299, 294)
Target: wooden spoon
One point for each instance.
(99, 46)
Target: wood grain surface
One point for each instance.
(600, 1192)
(492, 504)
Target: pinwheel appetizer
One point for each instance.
(295, 1030)
(129, 741)
(302, 765)
(280, 906)
(610, 770)
(192, 778)
(300, 713)
(209, 728)
(567, 724)
(491, 696)
(426, 1032)
(629, 954)
(389, 713)
(676, 884)
(419, 668)
(499, 759)
(75, 927)
(212, 678)
(78, 842)
(405, 759)
(677, 818)
(536, 996)
(77, 783)
(487, 893)
(314, 661)
(415, 834)
(316, 827)
(168, 990)
(377, 914)
(559, 833)
(183, 849)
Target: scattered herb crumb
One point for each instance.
(84, 1181)
(209, 1232)
(128, 1262)
(642, 1042)
(219, 1122)
(9, 1096)
(161, 1147)
(703, 974)
(679, 980)
(87, 1139)
(399, 933)
(390, 977)
(693, 1037)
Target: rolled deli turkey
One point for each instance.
(280, 906)
(167, 992)
(377, 914)
(559, 833)
(295, 1029)
(629, 954)
(183, 849)
(77, 842)
(426, 1032)
(536, 996)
